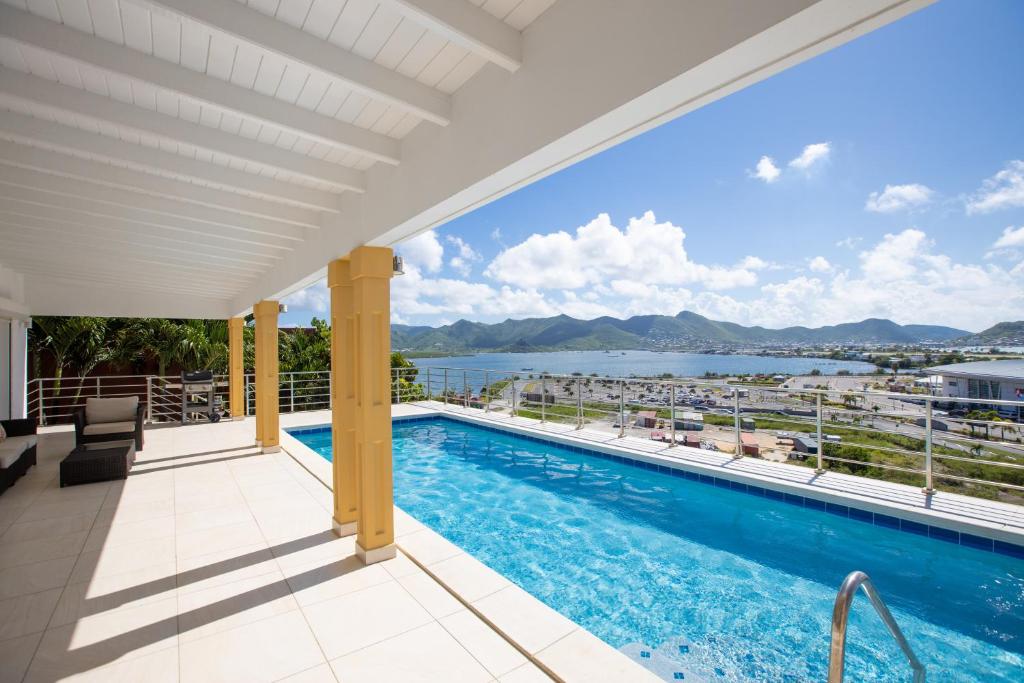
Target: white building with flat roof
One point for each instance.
(1001, 380)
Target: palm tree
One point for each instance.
(60, 336)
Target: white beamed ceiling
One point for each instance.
(205, 152)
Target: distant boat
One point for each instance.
(525, 369)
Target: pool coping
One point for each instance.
(559, 646)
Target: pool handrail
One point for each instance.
(840, 617)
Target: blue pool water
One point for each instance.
(708, 582)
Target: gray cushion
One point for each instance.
(12, 448)
(111, 409)
(109, 428)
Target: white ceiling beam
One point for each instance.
(116, 286)
(52, 37)
(46, 294)
(26, 129)
(90, 265)
(22, 232)
(75, 209)
(468, 26)
(37, 181)
(362, 75)
(65, 98)
(48, 217)
(56, 163)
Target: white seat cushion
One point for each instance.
(12, 448)
(108, 428)
(110, 409)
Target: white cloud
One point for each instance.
(1002, 191)
(599, 252)
(766, 170)
(314, 298)
(899, 197)
(423, 251)
(819, 264)
(849, 242)
(812, 154)
(465, 257)
(1011, 237)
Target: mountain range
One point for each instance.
(687, 330)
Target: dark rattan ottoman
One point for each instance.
(97, 462)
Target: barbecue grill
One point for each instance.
(198, 396)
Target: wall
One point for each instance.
(13, 343)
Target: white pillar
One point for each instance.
(19, 367)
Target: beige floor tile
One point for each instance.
(104, 639)
(351, 622)
(86, 507)
(197, 500)
(134, 512)
(37, 550)
(469, 577)
(322, 546)
(197, 520)
(27, 614)
(55, 494)
(582, 656)
(291, 490)
(400, 566)
(406, 524)
(46, 528)
(318, 674)
(224, 537)
(123, 558)
(527, 673)
(221, 608)
(431, 595)
(129, 532)
(32, 578)
(266, 650)
(136, 495)
(525, 619)
(428, 547)
(489, 648)
(319, 581)
(15, 656)
(428, 654)
(106, 593)
(294, 522)
(156, 667)
(225, 566)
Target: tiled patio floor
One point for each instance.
(213, 562)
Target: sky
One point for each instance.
(884, 178)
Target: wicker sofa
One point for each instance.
(17, 451)
(109, 419)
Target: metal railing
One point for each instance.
(904, 437)
(840, 618)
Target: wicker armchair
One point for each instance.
(109, 419)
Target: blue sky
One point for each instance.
(882, 179)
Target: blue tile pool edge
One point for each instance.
(678, 470)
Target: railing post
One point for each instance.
(928, 487)
(543, 397)
(821, 442)
(445, 394)
(291, 391)
(672, 412)
(398, 385)
(42, 408)
(149, 398)
(465, 390)
(622, 408)
(579, 404)
(429, 395)
(736, 422)
(487, 386)
(97, 386)
(513, 396)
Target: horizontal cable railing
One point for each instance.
(905, 437)
(970, 445)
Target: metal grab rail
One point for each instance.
(840, 616)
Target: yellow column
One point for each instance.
(236, 368)
(266, 370)
(371, 269)
(257, 382)
(343, 398)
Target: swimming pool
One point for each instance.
(698, 580)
